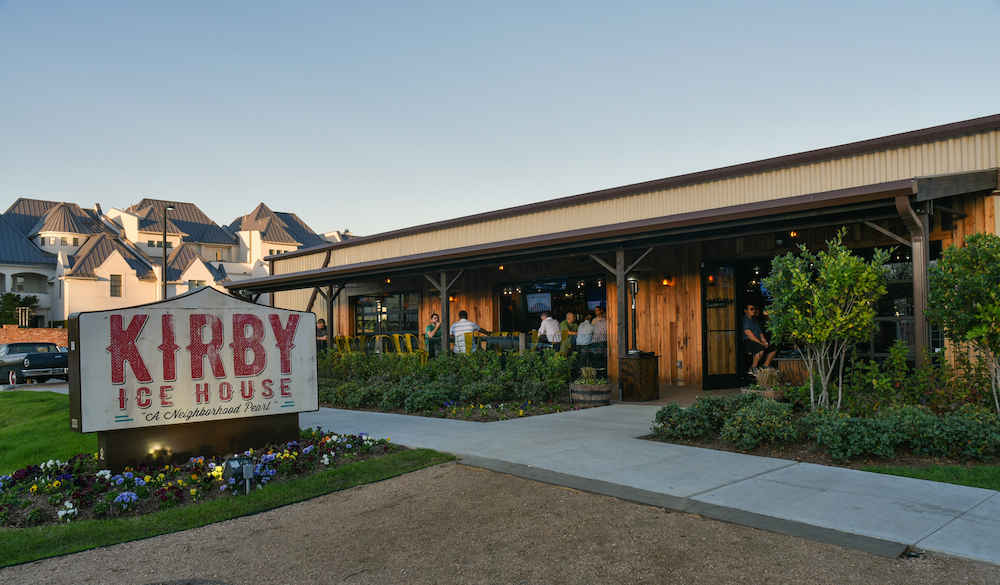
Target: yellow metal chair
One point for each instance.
(470, 338)
(412, 345)
(564, 342)
(343, 344)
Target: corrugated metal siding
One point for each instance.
(299, 264)
(962, 154)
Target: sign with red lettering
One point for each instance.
(197, 357)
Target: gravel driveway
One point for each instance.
(455, 524)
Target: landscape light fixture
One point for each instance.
(239, 469)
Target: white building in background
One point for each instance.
(76, 259)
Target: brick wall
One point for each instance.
(13, 334)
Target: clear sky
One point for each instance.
(378, 115)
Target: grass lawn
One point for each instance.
(43, 416)
(34, 428)
(981, 476)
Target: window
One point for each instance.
(18, 284)
(62, 241)
(159, 243)
(218, 255)
(60, 289)
(76, 241)
(116, 285)
(399, 313)
(42, 239)
(270, 252)
(193, 284)
(169, 244)
(150, 244)
(52, 241)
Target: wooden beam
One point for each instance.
(939, 186)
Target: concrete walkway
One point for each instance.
(596, 450)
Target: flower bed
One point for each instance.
(56, 491)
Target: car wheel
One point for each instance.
(12, 377)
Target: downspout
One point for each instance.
(918, 226)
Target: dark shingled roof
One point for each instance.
(17, 249)
(97, 249)
(277, 227)
(187, 218)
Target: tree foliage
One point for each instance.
(9, 302)
(964, 298)
(823, 303)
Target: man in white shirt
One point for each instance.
(549, 328)
(460, 328)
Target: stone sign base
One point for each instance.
(158, 446)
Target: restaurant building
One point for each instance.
(695, 246)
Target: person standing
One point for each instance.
(321, 335)
(600, 326)
(460, 328)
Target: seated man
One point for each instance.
(549, 327)
(754, 340)
(458, 330)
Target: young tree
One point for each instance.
(9, 302)
(822, 304)
(964, 298)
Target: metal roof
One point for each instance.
(15, 248)
(29, 216)
(187, 219)
(60, 219)
(966, 127)
(272, 228)
(870, 203)
(97, 249)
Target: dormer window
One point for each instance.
(76, 241)
(62, 241)
(150, 244)
(42, 240)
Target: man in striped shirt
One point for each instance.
(460, 328)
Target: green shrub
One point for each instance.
(390, 381)
(797, 397)
(844, 438)
(760, 421)
(428, 396)
(666, 420)
(705, 417)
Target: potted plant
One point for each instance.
(767, 383)
(589, 390)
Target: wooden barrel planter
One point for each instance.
(588, 395)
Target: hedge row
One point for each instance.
(400, 381)
(747, 420)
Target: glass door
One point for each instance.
(720, 337)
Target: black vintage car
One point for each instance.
(20, 362)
